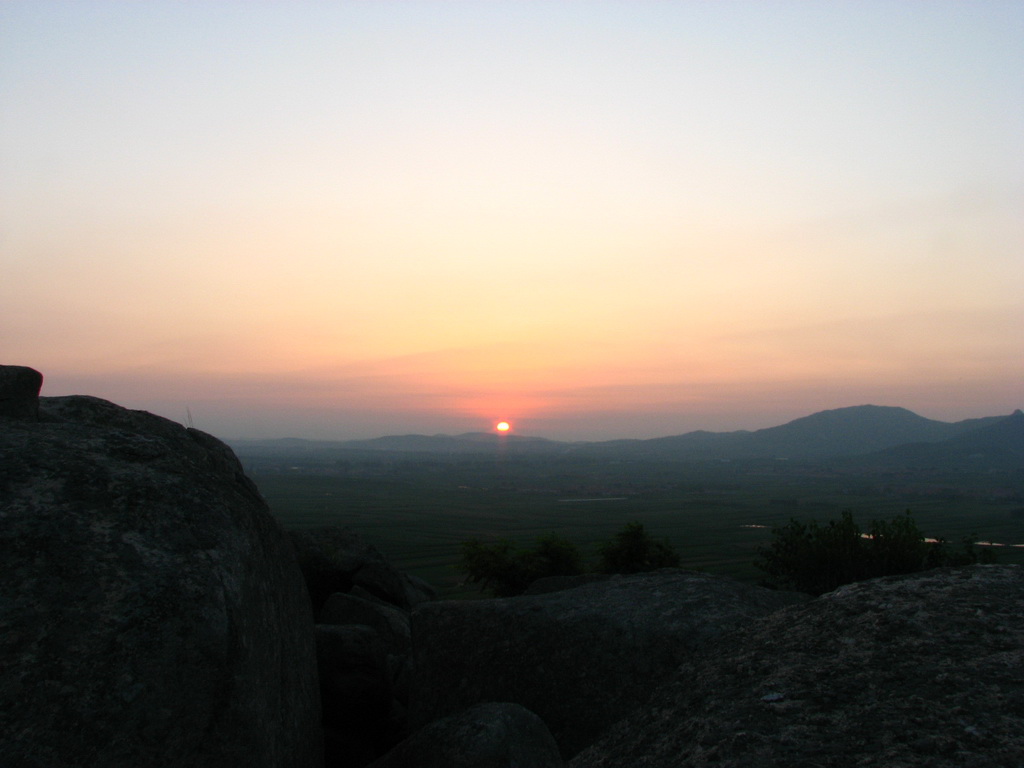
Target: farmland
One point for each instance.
(417, 511)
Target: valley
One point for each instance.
(417, 498)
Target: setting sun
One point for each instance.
(597, 278)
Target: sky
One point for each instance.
(339, 220)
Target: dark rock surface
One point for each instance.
(356, 593)
(19, 392)
(356, 692)
(390, 623)
(339, 560)
(393, 632)
(152, 610)
(920, 670)
(485, 736)
(364, 687)
(557, 583)
(580, 658)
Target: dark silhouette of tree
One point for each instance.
(633, 550)
(814, 558)
(506, 570)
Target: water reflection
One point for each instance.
(927, 539)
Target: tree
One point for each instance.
(633, 550)
(506, 570)
(814, 558)
(495, 566)
(554, 555)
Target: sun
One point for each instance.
(503, 426)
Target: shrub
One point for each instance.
(813, 558)
(506, 570)
(633, 550)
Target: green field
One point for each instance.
(418, 520)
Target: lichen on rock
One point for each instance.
(153, 612)
(919, 670)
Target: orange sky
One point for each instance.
(343, 220)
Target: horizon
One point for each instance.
(513, 432)
(513, 435)
(595, 221)
(516, 429)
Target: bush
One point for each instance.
(632, 550)
(809, 557)
(505, 570)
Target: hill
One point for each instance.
(996, 445)
(864, 430)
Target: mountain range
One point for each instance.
(864, 434)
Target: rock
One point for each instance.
(339, 560)
(384, 581)
(919, 670)
(417, 590)
(580, 658)
(394, 638)
(365, 705)
(363, 713)
(391, 624)
(485, 736)
(153, 612)
(356, 694)
(558, 583)
(353, 673)
(19, 392)
(361, 717)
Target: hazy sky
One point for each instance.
(592, 219)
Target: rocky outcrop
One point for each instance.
(19, 392)
(153, 613)
(391, 623)
(152, 610)
(548, 584)
(484, 736)
(361, 603)
(339, 560)
(580, 658)
(921, 670)
(393, 633)
(358, 717)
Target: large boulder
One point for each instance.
(355, 687)
(337, 560)
(393, 632)
(920, 670)
(580, 658)
(363, 647)
(391, 623)
(19, 392)
(357, 593)
(152, 610)
(494, 735)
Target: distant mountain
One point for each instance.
(823, 435)
(855, 431)
(998, 444)
(690, 445)
(845, 431)
(470, 442)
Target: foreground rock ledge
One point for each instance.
(580, 658)
(493, 735)
(922, 670)
(152, 611)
